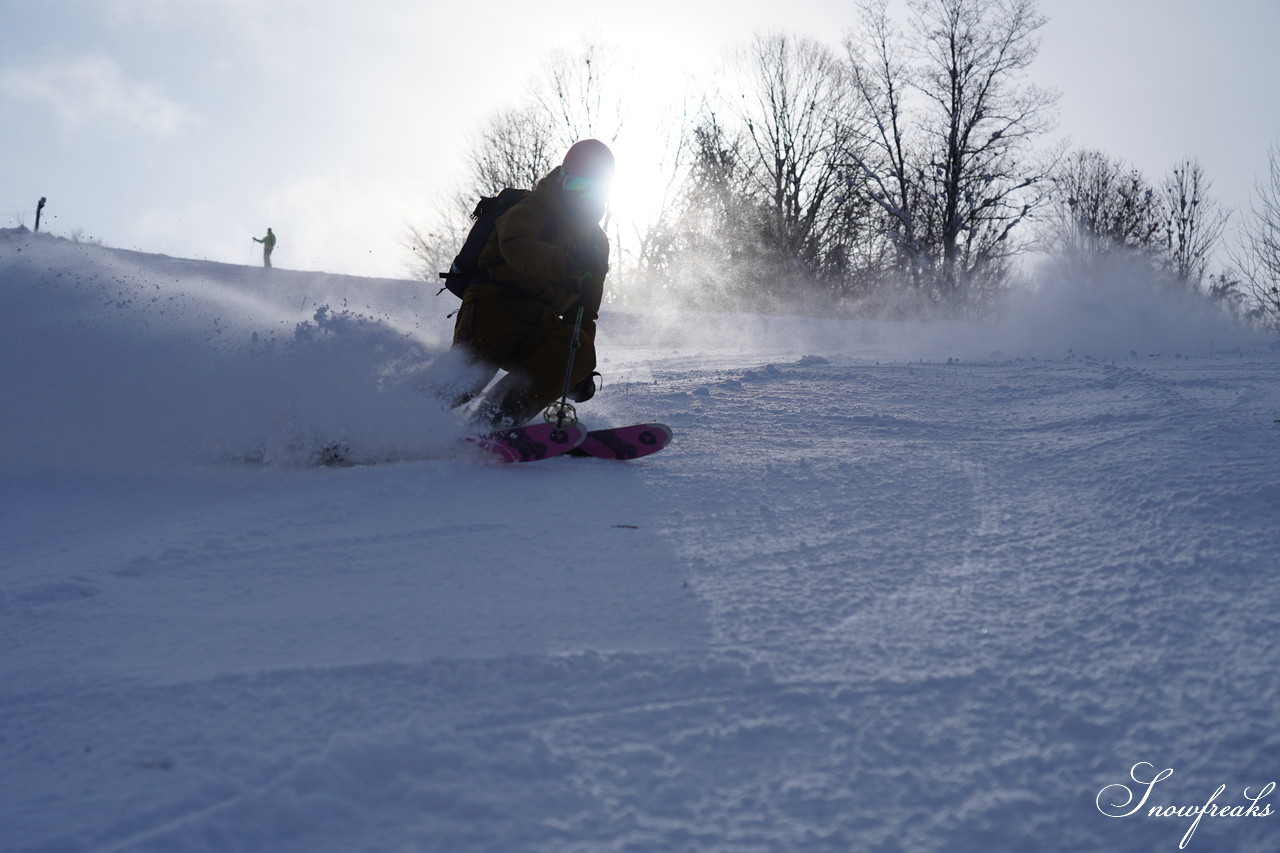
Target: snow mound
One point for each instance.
(211, 357)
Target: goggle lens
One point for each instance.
(585, 186)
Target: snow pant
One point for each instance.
(529, 342)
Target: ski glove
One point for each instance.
(586, 262)
(584, 390)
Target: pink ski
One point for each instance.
(628, 442)
(531, 443)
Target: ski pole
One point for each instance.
(563, 409)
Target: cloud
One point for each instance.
(93, 90)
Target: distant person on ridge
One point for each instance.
(268, 243)
(546, 256)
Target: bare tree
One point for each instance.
(517, 147)
(573, 93)
(433, 245)
(797, 117)
(665, 236)
(950, 162)
(709, 249)
(567, 101)
(888, 168)
(1100, 206)
(1257, 258)
(763, 215)
(1193, 223)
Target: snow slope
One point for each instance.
(895, 587)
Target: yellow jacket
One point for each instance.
(523, 264)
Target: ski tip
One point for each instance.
(628, 442)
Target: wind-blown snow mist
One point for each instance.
(1114, 307)
(113, 359)
(1116, 311)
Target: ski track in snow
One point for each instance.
(868, 600)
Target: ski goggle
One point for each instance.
(585, 186)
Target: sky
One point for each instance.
(188, 127)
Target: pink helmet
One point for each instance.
(589, 158)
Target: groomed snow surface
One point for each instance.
(893, 587)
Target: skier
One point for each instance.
(268, 243)
(547, 256)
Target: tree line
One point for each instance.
(905, 173)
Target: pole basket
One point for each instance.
(561, 414)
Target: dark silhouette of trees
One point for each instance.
(908, 172)
(1193, 224)
(1100, 206)
(949, 155)
(518, 146)
(1257, 257)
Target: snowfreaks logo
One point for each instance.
(1118, 801)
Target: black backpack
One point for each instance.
(462, 273)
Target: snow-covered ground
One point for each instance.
(894, 587)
